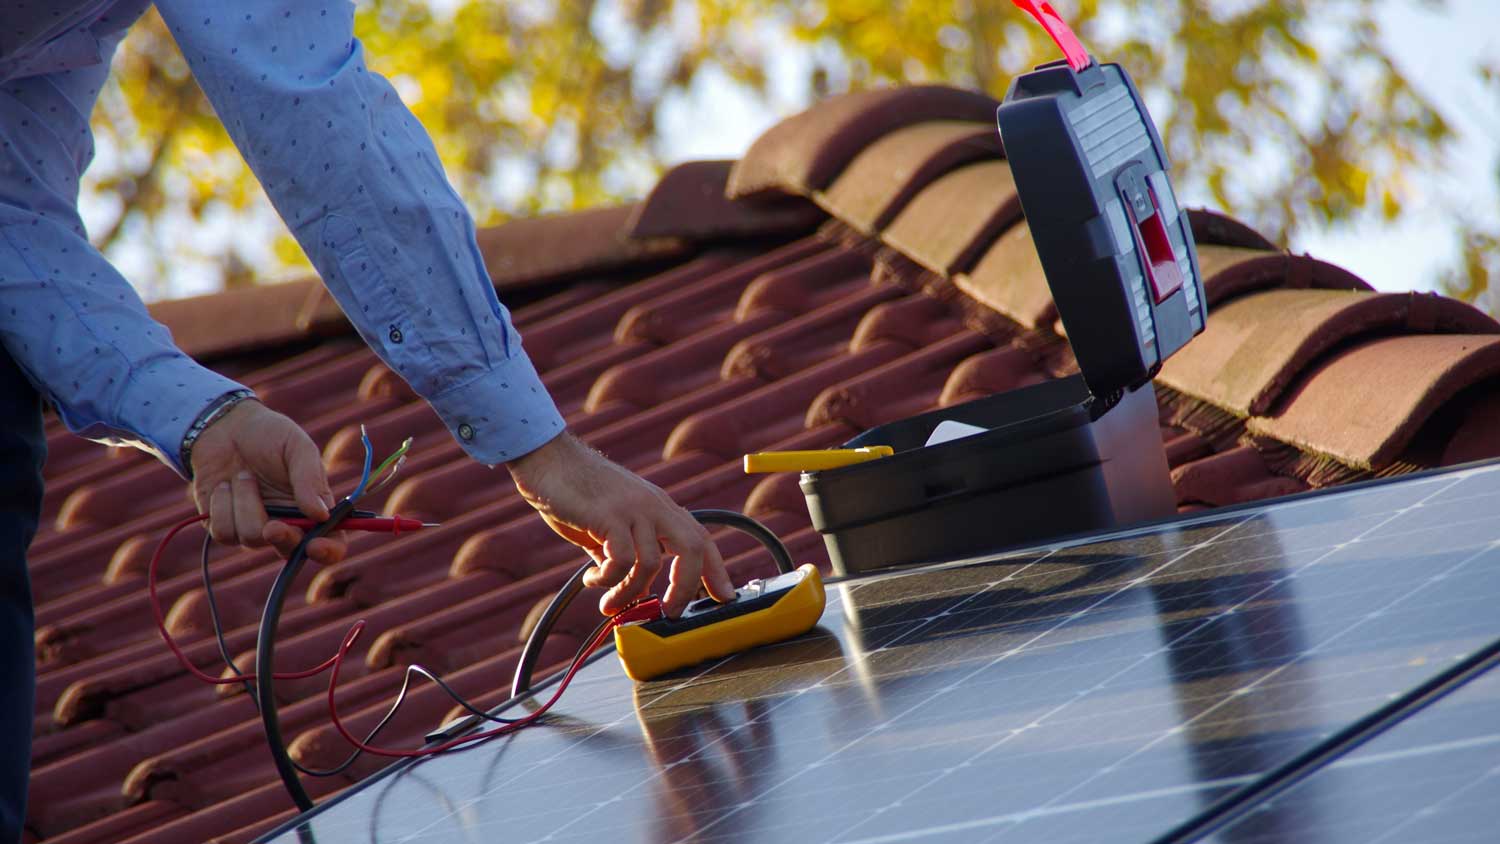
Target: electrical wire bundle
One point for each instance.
(260, 685)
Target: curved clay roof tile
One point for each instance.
(689, 202)
(947, 226)
(1213, 228)
(1256, 345)
(1009, 279)
(1235, 271)
(885, 175)
(1364, 406)
(806, 151)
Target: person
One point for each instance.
(358, 182)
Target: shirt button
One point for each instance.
(466, 432)
(396, 335)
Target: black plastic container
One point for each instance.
(1052, 464)
(1070, 456)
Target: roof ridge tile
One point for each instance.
(953, 220)
(884, 176)
(1257, 344)
(804, 152)
(689, 203)
(1385, 388)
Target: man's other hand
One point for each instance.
(253, 456)
(623, 522)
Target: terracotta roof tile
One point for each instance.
(675, 336)
(689, 202)
(1258, 344)
(885, 175)
(1469, 433)
(1382, 391)
(222, 324)
(991, 372)
(1233, 271)
(123, 824)
(1009, 280)
(805, 152)
(1212, 228)
(1230, 477)
(947, 226)
(527, 252)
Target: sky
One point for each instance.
(1436, 45)
(1438, 51)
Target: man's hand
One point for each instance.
(251, 456)
(623, 522)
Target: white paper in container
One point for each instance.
(949, 430)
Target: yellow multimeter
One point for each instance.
(762, 612)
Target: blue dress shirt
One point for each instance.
(348, 168)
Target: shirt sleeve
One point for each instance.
(71, 322)
(84, 339)
(358, 182)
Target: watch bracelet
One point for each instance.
(211, 414)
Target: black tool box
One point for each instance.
(1070, 456)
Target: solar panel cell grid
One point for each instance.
(1432, 778)
(1099, 690)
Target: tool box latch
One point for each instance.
(1159, 260)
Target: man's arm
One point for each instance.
(83, 337)
(360, 185)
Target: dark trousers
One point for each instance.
(22, 450)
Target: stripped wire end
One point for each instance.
(364, 478)
(385, 473)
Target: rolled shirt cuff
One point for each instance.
(503, 414)
(163, 399)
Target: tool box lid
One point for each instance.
(1092, 176)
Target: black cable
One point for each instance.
(532, 652)
(218, 625)
(455, 696)
(263, 692)
(745, 524)
(265, 655)
(448, 732)
(1236, 804)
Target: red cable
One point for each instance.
(161, 623)
(650, 608)
(641, 611)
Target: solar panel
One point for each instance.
(1432, 778)
(1108, 688)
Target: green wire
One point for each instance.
(393, 463)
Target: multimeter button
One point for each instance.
(702, 605)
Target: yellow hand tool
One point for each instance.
(812, 461)
(762, 612)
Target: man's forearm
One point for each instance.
(359, 183)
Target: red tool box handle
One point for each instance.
(1062, 34)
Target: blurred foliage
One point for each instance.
(1479, 235)
(1287, 112)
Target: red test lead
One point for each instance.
(646, 609)
(376, 524)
